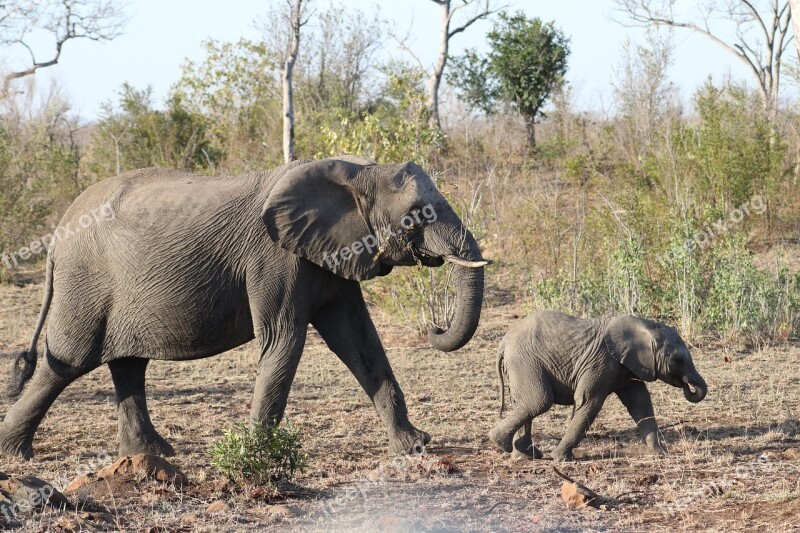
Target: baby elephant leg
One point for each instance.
(636, 399)
(503, 433)
(523, 446)
(522, 414)
(585, 413)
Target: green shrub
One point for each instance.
(397, 128)
(681, 281)
(745, 301)
(259, 455)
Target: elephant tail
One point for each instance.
(25, 362)
(500, 374)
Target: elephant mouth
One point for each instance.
(425, 258)
(428, 260)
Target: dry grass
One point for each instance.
(728, 468)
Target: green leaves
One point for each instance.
(395, 128)
(527, 61)
(133, 134)
(471, 75)
(259, 455)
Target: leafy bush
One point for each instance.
(39, 167)
(397, 128)
(259, 455)
(745, 301)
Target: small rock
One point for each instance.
(79, 482)
(650, 479)
(97, 517)
(67, 524)
(577, 496)
(149, 466)
(188, 519)
(793, 454)
(28, 492)
(283, 510)
(594, 469)
(216, 507)
(390, 523)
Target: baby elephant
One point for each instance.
(552, 358)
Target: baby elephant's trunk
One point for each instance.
(694, 387)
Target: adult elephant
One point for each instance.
(186, 267)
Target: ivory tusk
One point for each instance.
(465, 263)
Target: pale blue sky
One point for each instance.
(162, 33)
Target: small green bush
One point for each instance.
(259, 455)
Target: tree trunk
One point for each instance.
(530, 130)
(288, 98)
(445, 34)
(794, 6)
(435, 81)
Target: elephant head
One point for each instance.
(359, 220)
(654, 351)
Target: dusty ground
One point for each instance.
(734, 460)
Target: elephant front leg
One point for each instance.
(281, 348)
(135, 431)
(582, 419)
(636, 399)
(347, 329)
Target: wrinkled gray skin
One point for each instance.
(194, 266)
(553, 358)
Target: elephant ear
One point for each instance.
(317, 211)
(630, 341)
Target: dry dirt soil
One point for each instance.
(733, 461)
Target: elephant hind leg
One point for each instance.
(522, 415)
(24, 417)
(523, 445)
(135, 430)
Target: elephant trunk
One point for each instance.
(694, 388)
(468, 281)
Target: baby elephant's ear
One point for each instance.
(631, 342)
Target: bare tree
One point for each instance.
(294, 22)
(794, 7)
(447, 32)
(96, 20)
(760, 30)
(338, 57)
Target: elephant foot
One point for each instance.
(502, 440)
(409, 442)
(525, 450)
(11, 444)
(153, 444)
(656, 450)
(562, 456)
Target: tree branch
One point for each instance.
(96, 20)
(471, 21)
(756, 16)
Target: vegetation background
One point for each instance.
(589, 212)
(680, 207)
